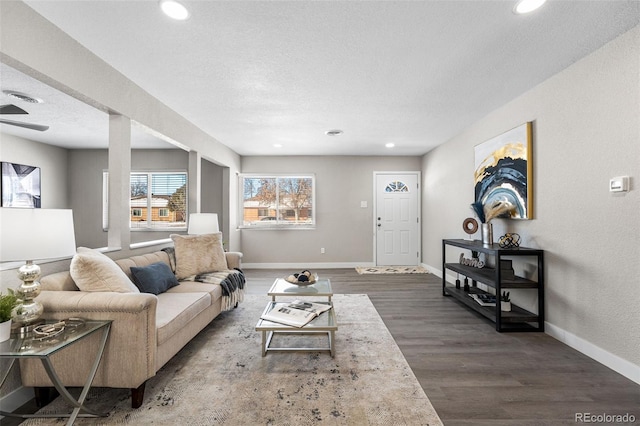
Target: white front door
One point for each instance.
(397, 218)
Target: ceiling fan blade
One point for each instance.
(11, 109)
(37, 127)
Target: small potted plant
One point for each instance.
(7, 303)
(505, 302)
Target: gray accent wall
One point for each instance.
(85, 171)
(212, 191)
(586, 130)
(343, 228)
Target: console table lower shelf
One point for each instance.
(517, 319)
(325, 324)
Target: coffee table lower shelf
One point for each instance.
(324, 324)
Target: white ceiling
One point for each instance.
(254, 74)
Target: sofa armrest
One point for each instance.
(129, 358)
(233, 259)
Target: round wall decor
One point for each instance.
(470, 225)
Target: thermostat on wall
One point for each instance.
(619, 184)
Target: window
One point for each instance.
(158, 200)
(396, 186)
(277, 201)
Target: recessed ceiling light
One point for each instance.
(277, 145)
(390, 145)
(335, 132)
(526, 6)
(174, 9)
(22, 96)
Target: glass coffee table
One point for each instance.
(326, 323)
(281, 287)
(33, 346)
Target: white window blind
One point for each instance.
(158, 200)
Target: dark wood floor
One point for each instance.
(472, 374)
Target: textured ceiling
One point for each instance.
(414, 73)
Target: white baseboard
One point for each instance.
(16, 399)
(301, 266)
(432, 270)
(614, 362)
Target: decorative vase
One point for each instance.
(505, 306)
(487, 234)
(5, 330)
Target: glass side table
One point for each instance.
(282, 287)
(32, 346)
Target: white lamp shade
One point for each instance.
(203, 223)
(35, 234)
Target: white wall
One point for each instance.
(586, 130)
(52, 161)
(343, 228)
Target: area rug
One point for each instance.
(391, 270)
(220, 378)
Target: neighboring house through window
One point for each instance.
(277, 201)
(158, 200)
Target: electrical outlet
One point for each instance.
(322, 250)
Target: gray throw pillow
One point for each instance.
(155, 278)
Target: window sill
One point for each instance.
(277, 228)
(149, 243)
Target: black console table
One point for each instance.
(517, 319)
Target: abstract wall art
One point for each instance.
(504, 172)
(20, 185)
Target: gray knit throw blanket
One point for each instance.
(232, 281)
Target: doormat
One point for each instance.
(391, 270)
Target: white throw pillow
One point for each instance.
(197, 254)
(93, 271)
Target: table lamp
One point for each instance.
(203, 223)
(28, 235)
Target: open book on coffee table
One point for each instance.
(297, 313)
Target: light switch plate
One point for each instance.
(619, 184)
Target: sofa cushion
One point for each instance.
(155, 278)
(176, 310)
(93, 271)
(215, 290)
(197, 254)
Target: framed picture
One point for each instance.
(20, 185)
(504, 171)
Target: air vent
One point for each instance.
(22, 96)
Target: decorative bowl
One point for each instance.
(293, 280)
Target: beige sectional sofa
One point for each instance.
(147, 329)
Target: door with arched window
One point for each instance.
(397, 218)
